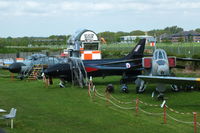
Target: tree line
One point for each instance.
(110, 37)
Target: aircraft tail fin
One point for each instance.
(138, 50)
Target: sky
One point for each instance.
(43, 18)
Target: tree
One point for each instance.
(156, 32)
(197, 30)
(137, 33)
(119, 34)
(108, 36)
(173, 29)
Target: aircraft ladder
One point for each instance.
(36, 71)
(78, 72)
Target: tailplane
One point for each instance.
(138, 51)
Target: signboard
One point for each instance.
(89, 36)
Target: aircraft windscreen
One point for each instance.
(164, 55)
(160, 56)
(155, 55)
(161, 62)
(91, 46)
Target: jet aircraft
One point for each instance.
(128, 67)
(158, 70)
(24, 68)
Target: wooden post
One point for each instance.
(47, 82)
(107, 97)
(94, 93)
(195, 122)
(12, 76)
(165, 114)
(94, 89)
(89, 88)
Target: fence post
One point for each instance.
(137, 104)
(107, 97)
(94, 92)
(164, 114)
(12, 76)
(89, 88)
(195, 122)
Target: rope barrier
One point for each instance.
(152, 105)
(149, 113)
(4, 75)
(121, 101)
(177, 112)
(108, 96)
(99, 93)
(179, 120)
(126, 108)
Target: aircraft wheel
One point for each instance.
(124, 88)
(61, 85)
(175, 88)
(21, 78)
(160, 96)
(140, 89)
(110, 88)
(140, 86)
(137, 89)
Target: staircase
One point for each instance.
(79, 75)
(36, 71)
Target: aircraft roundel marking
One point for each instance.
(128, 65)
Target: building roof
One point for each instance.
(186, 33)
(165, 35)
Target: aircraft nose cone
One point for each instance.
(163, 70)
(15, 67)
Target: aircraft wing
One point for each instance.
(170, 80)
(102, 67)
(188, 59)
(90, 68)
(121, 61)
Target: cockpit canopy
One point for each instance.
(160, 54)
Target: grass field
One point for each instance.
(70, 110)
(177, 49)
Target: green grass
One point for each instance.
(176, 49)
(70, 110)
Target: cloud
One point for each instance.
(63, 7)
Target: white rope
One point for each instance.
(172, 110)
(149, 113)
(126, 108)
(146, 112)
(179, 120)
(116, 99)
(3, 75)
(99, 94)
(148, 104)
(121, 101)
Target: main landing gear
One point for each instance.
(140, 85)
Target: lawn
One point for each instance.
(71, 110)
